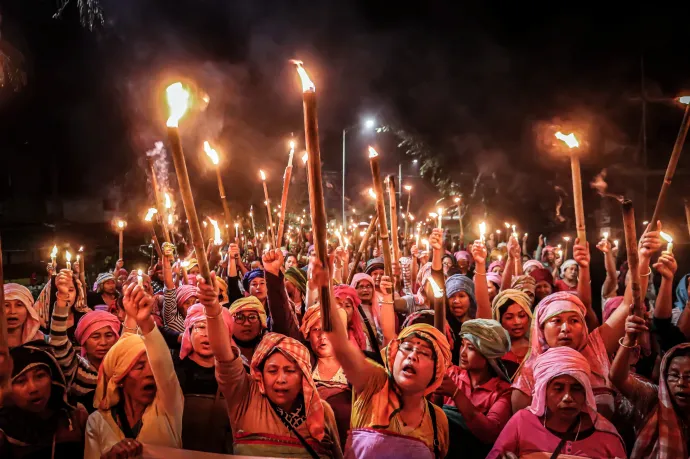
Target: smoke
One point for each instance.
(600, 186)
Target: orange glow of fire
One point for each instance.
(292, 145)
(213, 154)
(667, 237)
(372, 193)
(307, 84)
(168, 201)
(150, 213)
(570, 140)
(408, 187)
(438, 291)
(178, 101)
(68, 256)
(372, 152)
(120, 224)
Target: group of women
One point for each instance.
(255, 362)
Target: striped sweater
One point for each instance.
(80, 375)
(172, 318)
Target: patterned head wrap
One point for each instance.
(195, 314)
(435, 338)
(16, 292)
(298, 353)
(117, 363)
(496, 264)
(426, 316)
(518, 297)
(92, 321)
(490, 339)
(102, 279)
(551, 306)
(524, 283)
(223, 290)
(542, 274)
(535, 264)
(566, 264)
(297, 278)
(185, 292)
(249, 303)
(25, 358)
(355, 329)
(461, 283)
(495, 278)
(250, 276)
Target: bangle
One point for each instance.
(131, 330)
(481, 274)
(386, 302)
(648, 274)
(455, 393)
(216, 316)
(620, 341)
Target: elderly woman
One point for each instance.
(543, 283)
(477, 393)
(559, 321)
(276, 411)
(138, 397)
(205, 425)
(512, 309)
(23, 322)
(249, 323)
(563, 418)
(38, 422)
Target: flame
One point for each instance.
(81, 249)
(408, 187)
(120, 224)
(569, 139)
(68, 256)
(372, 152)
(305, 157)
(237, 225)
(566, 238)
(605, 235)
(498, 231)
(482, 229)
(684, 100)
(372, 193)
(506, 224)
(170, 219)
(456, 200)
(411, 217)
(53, 253)
(438, 291)
(178, 101)
(500, 257)
(307, 84)
(440, 210)
(168, 201)
(433, 214)
(213, 154)
(217, 240)
(263, 176)
(150, 213)
(667, 237)
(615, 243)
(292, 145)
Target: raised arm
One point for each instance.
(608, 290)
(387, 310)
(584, 284)
(481, 286)
(284, 319)
(620, 368)
(62, 346)
(234, 292)
(666, 266)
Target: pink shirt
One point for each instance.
(561, 286)
(525, 436)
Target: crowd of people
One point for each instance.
(522, 366)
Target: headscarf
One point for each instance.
(297, 278)
(545, 251)
(422, 274)
(117, 363)
(566, 264)
(102, 279)
(223, 289)
(426, 316)
(681, 293)
(496, 264)
(373, 265)
(524, 283)
(531, 264)
(662, 435)
(429, 334)
(495, 278)
(298, 353)
(33, 322)
(362, 277)
(355, 330)
(311, 317)
(92, 321)
(517, 296)
(461, 283)
(249, 303)
(185, 292)
(463, 255)
(453, 261)
(250, 276)
(610, 306)
(195, 314)
(490, 339)
(192, 263)
(542, 274)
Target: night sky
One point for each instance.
(476, 83)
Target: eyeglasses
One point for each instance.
(366, 286)
(241, 318)
(422, 353)
(676, 379)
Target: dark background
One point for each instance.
(479, 84)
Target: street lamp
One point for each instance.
(369, 125)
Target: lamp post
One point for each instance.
(368, 125)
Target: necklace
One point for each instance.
(420, 422)
(579, 424)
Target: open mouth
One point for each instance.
(408, 370)
(149, 387)
(36, 401)
(565, 341)
(683, 396)
(12, 321)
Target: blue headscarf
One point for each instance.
(251, 275)
(681, 293)
(461, 283)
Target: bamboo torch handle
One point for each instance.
(633, 258)
(362, 248)
(577, 198)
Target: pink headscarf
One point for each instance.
(356, 279)
(92, 321)
(22, 294)
(496, 264)
(560, 361)
(610, 306)
(185, 292)
(545, 251)
(355, 330)
(495, 278)
(463, 255)
(197, 313)
(361, 276)
(532, 264)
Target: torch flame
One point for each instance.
(606, 235)
(178, 101)
(213, 154)
(569, 139)
(263, 176)
(307, 84)
(433, 214)
(53, 253)
(506, 224)
(372, 152)
(438, 291)
(170, 219)
(216, 232)
(372, 193)
(68, 256)
(482, 230)
(408, 187)
(292, 145)
(150, 213)
(81, 249)
(120, 224)
(168, 202)
(684, 100)
(667, 237)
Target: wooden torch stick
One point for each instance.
(381, 211)
(577, 198)
(316, 201)
(223, 200)
(268, 210)
(362, 247)
(687, 213)
(394, 217)
(178, 98)
(671, 168)
(283, 199)
(633, 258)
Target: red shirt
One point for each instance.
(561, 286)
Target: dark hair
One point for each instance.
(502, 310)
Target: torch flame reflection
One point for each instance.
(372, 152)
(150, 213)
(178, 101)
(569, 139)
(307, 84)
(213, 154)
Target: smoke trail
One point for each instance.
(599, 184)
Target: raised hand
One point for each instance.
(273, 260)
(666, 265)
(581, 254)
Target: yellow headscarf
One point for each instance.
(117, 363)
(249, 303)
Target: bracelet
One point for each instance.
(620, 341)
(131, 330)
(216, 316)
(648, 274)
(481, 274)
(386, 302)
(455, 393)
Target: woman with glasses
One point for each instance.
(248, 318)
(205, 425)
